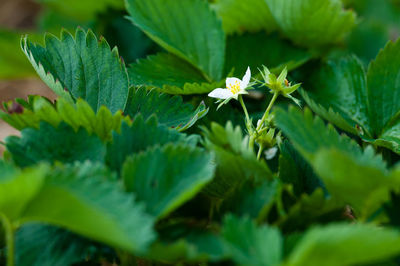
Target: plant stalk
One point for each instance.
(244, 109)
(271, 103)
(9, 231)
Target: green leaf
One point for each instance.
(295, 170)
(345, 244)
(79, 115)
(81, 11)
(239, 16)
(18, 187)
(252, 199)
(328, 24)
(256, 50)
(82, 66)
(195, 35)
(170, 111)
(340, 87)
(309, 134)
(235, 161)
(54, 144)
(42, 245)
(360, 183)
(383, 87)
(166, 177)
(363, 106)
(83, 198)
(138, 137)
(252, 245)
(169, 74)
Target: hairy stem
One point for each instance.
(265, 116)
(260, 149)
(9, 231)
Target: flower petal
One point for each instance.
(232, 81)
(221, 94)
(246, 79)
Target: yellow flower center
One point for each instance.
(234, 88)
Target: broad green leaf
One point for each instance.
(258, 49)
(166, 177)
(362, 105)
(13, 63)
(252, 199)
(81, 10)
(82, 66)
(252, 245)
(359, 183)
(309, 134)
(345, 244)
(340, 86)
(188, 29)
(84, 199)
(43, 245)
(384, 88)
(169, 74)
(295, 170)
(239, 16)
(328, 24)
(52, 144)
(170, 111)
(310, 209)
(18, 187)
(138, 137)
(79, 115)
(235, 161)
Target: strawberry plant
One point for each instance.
(224, 132)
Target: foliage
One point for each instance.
(133, 164)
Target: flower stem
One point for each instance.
(9, 231)
(244, 108)
(260, 149)
(271, 103)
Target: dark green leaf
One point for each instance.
(54, 144)
(138, 137)
(170, 111)
(235, 161)
(166, 177)
(188, 29)
(83, 66)
(256, 50)
(41, 245)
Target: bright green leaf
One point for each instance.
(345, 244)
(166, 177)
(239, 16)
(76, 115)
(188, 29)
(252, 245)
(85, 200)
(328, 23)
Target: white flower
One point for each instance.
(234, 87)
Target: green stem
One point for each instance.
(9, 231)
(244, 109)
(271, 103)
(260, 149)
